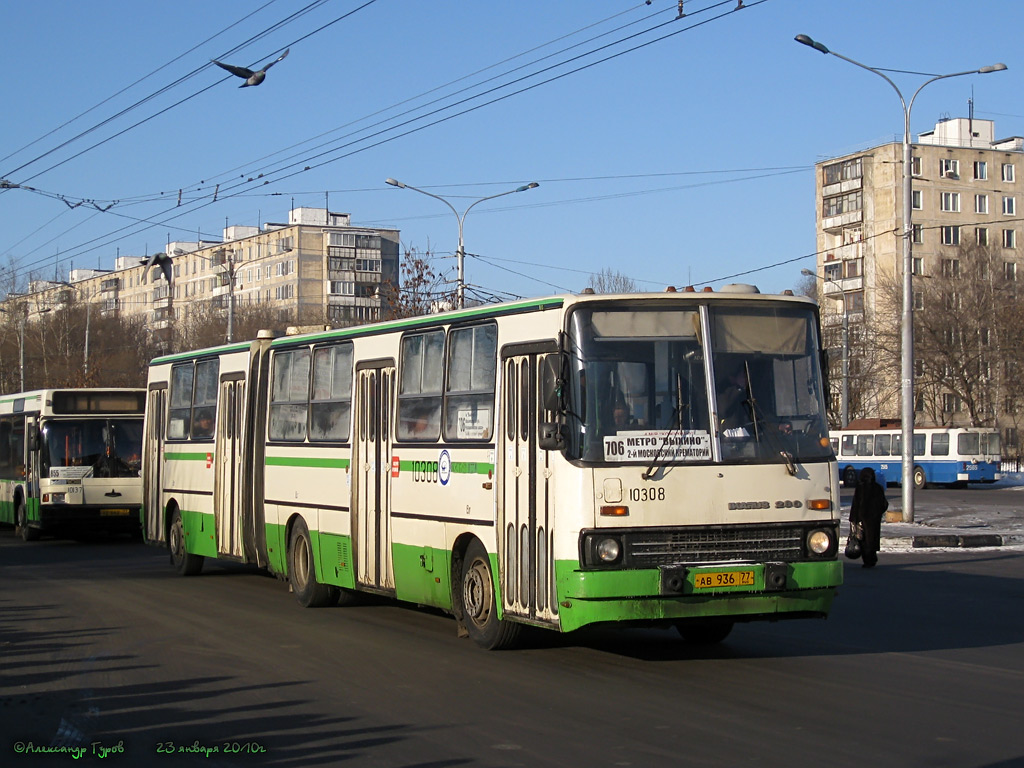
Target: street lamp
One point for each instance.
(907, 320)
(844, 397)
(460, 290)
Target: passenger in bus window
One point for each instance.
(203, 426)
(868, 507)
(621, 416)
(734, 403)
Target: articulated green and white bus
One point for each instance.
(557, 462)
(71, 460)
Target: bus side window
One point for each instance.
(419, 389)
(940, 444)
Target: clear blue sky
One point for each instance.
(689, 160)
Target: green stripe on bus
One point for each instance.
(458, 467)
(304, 461)
(482, 312)
(183, 456)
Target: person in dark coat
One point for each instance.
(868, 507)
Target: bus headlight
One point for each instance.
(608, 550)
(819, 542)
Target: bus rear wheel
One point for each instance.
(849, 477)
(22, 528)
(704, 631)
(480, 608)
(920, 481)
(184, 562)
(302, 571)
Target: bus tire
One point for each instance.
(302, 571)
(21, 526)
(704, 631)
(479, 606)
(849, 477)
(920, 480)
(184, 562)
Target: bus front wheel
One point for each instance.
(479, 605)
(920, 481)
(184, 562)
(302, 571)
(22, 527)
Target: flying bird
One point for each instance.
(251, 77)
(162, 262)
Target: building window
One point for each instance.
(917, 265)
(343, 287)
(852, 267)
(918, 300)
(980, 170)
(981, 235)
(915, 166)
(985, 336)
(951, 267)
(1009, 206)
(950, 235)
(1009, 238)
(1010, 270)
(916, 199)
(918, 234)
(950, 202)
(981, 203)
(949, 168)
(949, 402)
(833, 206)
(1008, 172)
(847, 169)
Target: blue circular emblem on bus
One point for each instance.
(444, 467)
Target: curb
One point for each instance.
(952, 540)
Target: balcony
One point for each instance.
(849, 185)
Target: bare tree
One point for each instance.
(421, 290)
(967, 336)
(609, 281)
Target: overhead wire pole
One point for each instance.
(460, 289)
(907, 318)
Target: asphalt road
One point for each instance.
(102, 647)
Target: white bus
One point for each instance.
(70, 461)
(556, 462)
(952, 456)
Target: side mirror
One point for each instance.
(552, 382)
(33, 437)
(550, 436)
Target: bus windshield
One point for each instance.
(644, 389)
(77, 448)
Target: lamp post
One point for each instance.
(228, 263)
(907, 319)
(844, 396)
(460, 290)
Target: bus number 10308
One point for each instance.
(646, 494)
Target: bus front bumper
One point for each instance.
(743, 592)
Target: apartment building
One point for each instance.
(316, 268)
(965, 190)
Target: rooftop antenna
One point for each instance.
(970, 116)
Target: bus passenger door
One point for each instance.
(227, 489)
(371, 477)
(152, 495)
(525, 503)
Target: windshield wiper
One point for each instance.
(649, 472)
